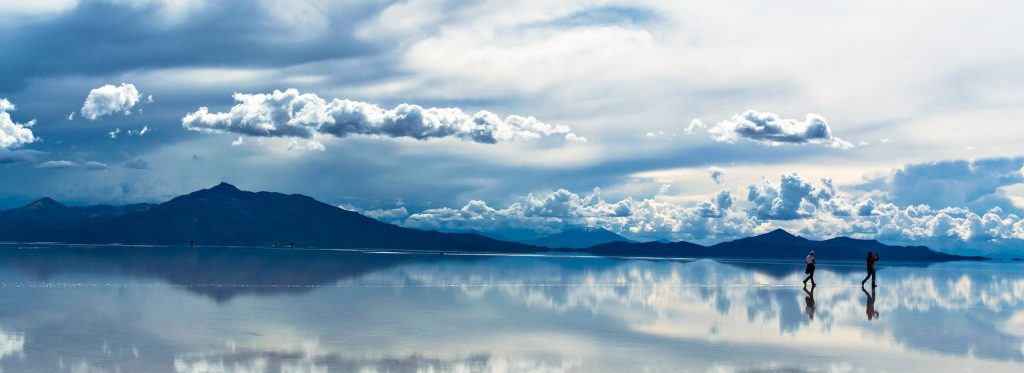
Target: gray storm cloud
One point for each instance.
(771, 129)
(289, 113)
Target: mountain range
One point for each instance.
(226, 216)
(576, 238)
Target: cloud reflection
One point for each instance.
(708, 300)
(369, 312)
(11, 344)
(284, 360)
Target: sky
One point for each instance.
(658, 120)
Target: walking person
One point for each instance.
(810, 269)
(872, 258)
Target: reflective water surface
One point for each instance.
(128, 309)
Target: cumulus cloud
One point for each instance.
(816, 210)
(110, 99)
(555, 211)
(770, 129)
(717, 207)
(976, 184)
(717, 174)
(793, 198)
(289, 113)
(12, 134)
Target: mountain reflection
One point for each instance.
(416, 312)
(220, 273)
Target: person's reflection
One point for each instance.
(872, 314)
(809, 299)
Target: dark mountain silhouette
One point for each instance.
(494, 235)
(780, 244)
(226, 216)
(48, 210)
(503, 234)
(577, 238)
(46, 215)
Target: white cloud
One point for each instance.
(768, 128)
(695, 126)
(663, 189)
(12, 134)
(308, 145)
(110, 99)
(795, 204)
(59, 164)
(717, 174)
(557, 210)
(793, 198)
(139, 132)
(113, 134)
(95, 166)
(304, 115)
(574, 137)
(389, 215)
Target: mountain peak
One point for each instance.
(778, 233)
(44, 203)
(225, 188)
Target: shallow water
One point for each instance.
(109, 309)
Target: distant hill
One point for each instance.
(779, 244)
(577, 238)
(46, 215)
(224, 215)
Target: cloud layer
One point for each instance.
(289, 113)
(771, 129)
(817, 211)
(560, 209)
(12, 134)
(110, 99)
(976, 184)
